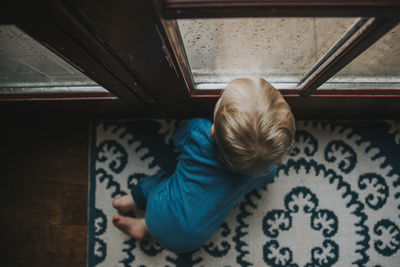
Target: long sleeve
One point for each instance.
(182, 134)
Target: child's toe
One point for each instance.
(124, 204)
(116, 219)
(116, 203)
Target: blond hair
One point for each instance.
(254, 126)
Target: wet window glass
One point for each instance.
(281, 50)
(378, 67)
(26, 66)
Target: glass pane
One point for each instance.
(281, 50)
(26, 66)
(378, 67)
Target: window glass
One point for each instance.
(378, 67)
(26, 66)
(281, 50)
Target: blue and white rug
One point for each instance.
(335, 202)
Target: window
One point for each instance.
(282, 50)
(217, 41)
(27, 67)
(377, 68)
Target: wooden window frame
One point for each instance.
(99, 37)
(385, 16)
(58, 96)
(53, 25)
(175, 9)
(374, 31)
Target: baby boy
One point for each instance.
(219, 163)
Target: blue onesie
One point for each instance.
(184, 210)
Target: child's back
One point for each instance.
(187, 208)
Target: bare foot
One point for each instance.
(124, 204)
(136, 228)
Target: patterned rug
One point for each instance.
(335, 202)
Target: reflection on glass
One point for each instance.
(378, 67)
(28, 66)
(281, 50)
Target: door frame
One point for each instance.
(125, 47)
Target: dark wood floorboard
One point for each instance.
(43, 183)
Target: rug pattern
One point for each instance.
(335, 201)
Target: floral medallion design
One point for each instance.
(301, 200)
(335, 200)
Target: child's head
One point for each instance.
(253, 125)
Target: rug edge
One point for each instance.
(91, 193)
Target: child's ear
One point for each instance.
(212, 133)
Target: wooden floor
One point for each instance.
(44, 184)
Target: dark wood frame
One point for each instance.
(378, 28)
(55, 27)
(58, 96)
(90, 36)
(169, 10)
(337, 93)
(126, 54)
(173, 9)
